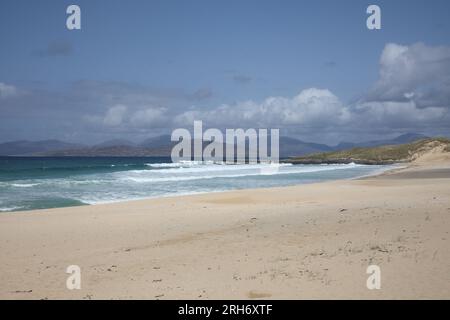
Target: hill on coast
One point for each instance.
(387, 154)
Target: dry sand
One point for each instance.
(309, 241)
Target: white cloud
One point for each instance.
(417, 72)
(311, 107)
(115, 116)
(150, 117)
(7, 90)
(124, 117)
(319, 110)
(412, 94)
(393, 114)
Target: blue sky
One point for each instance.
(157, 58)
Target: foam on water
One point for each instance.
(6, 209)
(141, 178)
(24, 185)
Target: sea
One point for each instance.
(28, 183)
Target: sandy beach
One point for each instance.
(302, 242)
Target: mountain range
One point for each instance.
(162, 146)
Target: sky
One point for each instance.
(138, 69)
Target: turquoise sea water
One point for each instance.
(28, 183)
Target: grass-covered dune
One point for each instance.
(377, 155)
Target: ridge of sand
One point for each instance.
(308, 241)
(434, 157)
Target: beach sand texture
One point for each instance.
(302, 242)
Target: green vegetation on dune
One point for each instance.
(376, 155)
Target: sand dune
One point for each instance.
(310, 241)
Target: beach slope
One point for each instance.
(309, 241)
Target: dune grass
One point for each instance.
(376, 155)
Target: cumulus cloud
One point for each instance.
(150, 117)
(115, 115)
(418, 73)
(412, 94)
(123, 116)
(311, 107)
(397, 115)
(7, 90)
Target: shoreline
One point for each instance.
(297, 242)
(375, 173)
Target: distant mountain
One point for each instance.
(293, 147)
(115, 142)
(344, 146)
(408, 137)
(111, 151)
(162, 146)
(157, 142)
(24, 147)
(404, 138)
